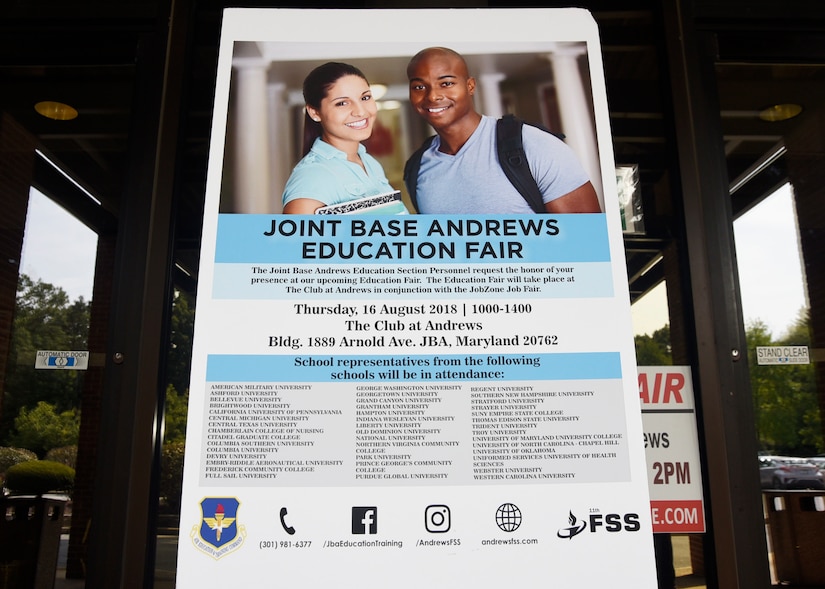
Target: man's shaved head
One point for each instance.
(441, 92)
(430, 52)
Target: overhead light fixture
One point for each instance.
(780, 112)
(56, 110)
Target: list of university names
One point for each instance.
(300, 434)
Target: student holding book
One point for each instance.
(335, 168)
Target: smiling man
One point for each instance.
(459, 171)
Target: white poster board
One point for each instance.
(419, 400)
(671, 438)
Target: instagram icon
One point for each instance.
(437, 519)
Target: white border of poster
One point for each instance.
(417, 400)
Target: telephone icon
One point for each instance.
(287, 528)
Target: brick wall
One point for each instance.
(806, 166)
(16, 169)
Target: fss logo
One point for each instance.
(596, 521)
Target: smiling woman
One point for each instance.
(335, 169)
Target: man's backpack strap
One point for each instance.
(513, 161)
(511, 158)
(411, 170)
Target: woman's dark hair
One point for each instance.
(316, 87)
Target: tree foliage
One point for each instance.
(39, 407)
(44, 319)
(64, 455)
(178, 367)
(180, 342)
(171, 475)
(11, 456)
(175, 415)
(654, 350)
(42, 428)
(785, 396)
(39, 476)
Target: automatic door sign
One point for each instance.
(61, 360)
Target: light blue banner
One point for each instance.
(419, 239)
(413, 368)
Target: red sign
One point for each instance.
(677, 517)
(671, 449)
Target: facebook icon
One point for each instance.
(364, 520)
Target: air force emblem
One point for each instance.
(218, 533)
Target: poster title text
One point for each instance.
(379, 229)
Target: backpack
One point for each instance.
(511, 158)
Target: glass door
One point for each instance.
(779, 210)
(44, 382)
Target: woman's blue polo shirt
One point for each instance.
(324, 174)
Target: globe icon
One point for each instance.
(508, 517)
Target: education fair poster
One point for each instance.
(410, 400)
